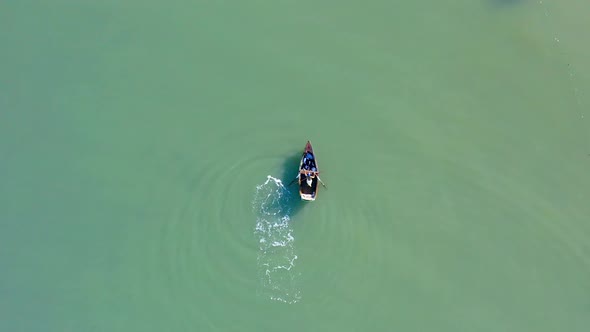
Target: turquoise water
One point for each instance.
(147, 149)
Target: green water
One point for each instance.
(137, 139)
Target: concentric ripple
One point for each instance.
(277, 254)
(198, 241)
(216, 227)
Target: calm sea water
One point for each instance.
(146, 150)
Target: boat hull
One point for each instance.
(308, 186)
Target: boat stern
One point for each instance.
(307, 197)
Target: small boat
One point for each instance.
(308, 174)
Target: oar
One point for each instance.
(295, 179)
(322, 182)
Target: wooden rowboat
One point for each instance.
(308, 174)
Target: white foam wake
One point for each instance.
(276, 256)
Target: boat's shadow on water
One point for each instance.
(289, 170)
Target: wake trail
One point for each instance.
(277, 254)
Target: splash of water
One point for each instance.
(276, 256)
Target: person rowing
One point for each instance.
(310, 173)
(309, 176)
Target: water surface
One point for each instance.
(147, 148)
